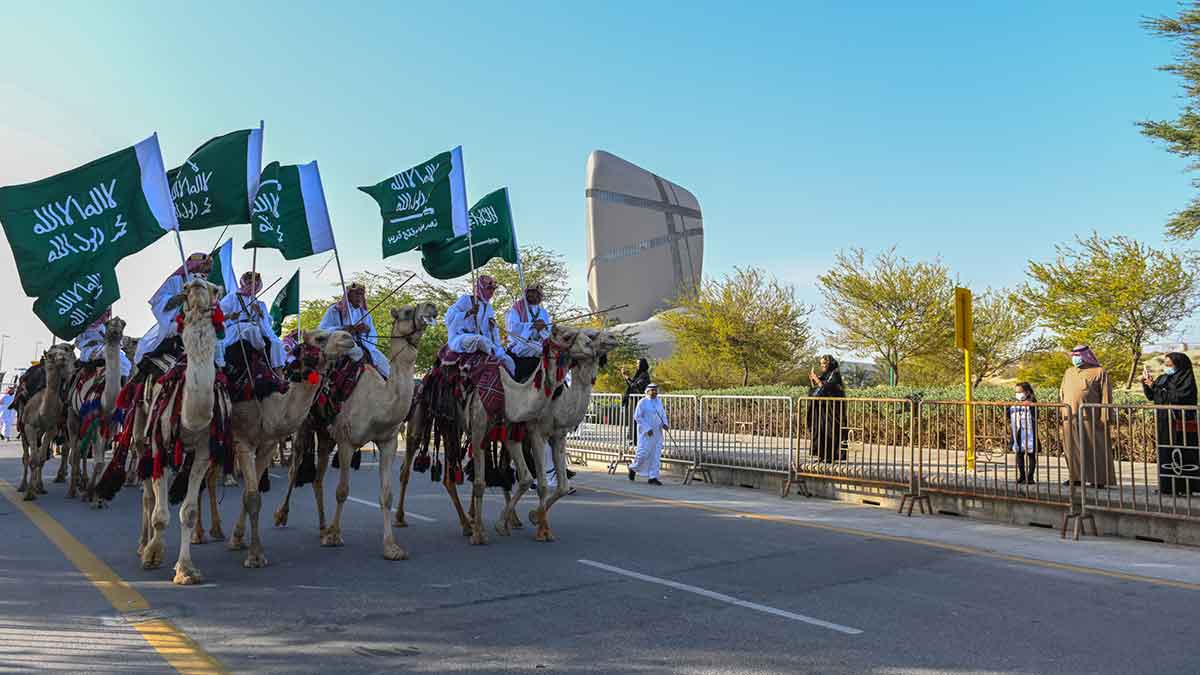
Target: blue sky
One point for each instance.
(982, 133)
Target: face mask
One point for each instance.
(1077, 360)
(1170, 370)
(1020, 395)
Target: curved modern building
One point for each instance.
(645, 239)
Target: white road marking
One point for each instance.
(407, 514)
(723, 598)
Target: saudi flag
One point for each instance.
(222, 272)
(287, 303)
(424, 204)
(216, 184)
(87, 219)
(67, 312)
(289, 212)
(492, 234)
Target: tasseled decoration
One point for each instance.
(218, 322)
(313, 378)
(537, 379)
(157, 471)
(145, 468)
(178, 460)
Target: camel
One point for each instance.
(561, 417)
(42, 416)
(523, 402)
(374, 412)
(96, 439)
(196, 413)
(259, 427)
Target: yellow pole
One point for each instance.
(970, 415)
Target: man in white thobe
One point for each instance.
(357, 321)
(8, 416)
(198, 267)
(471, 324)
(91, 344)
(528, 325)
(651, 419)
(247, 320)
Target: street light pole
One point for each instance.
(37, 350)
(3, 339)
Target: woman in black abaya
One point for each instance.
(826, 418)
(1178, 440)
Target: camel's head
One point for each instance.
(411, 321)
(602, 342)
(332, 344)
(196, 301)
(59, 356)
(567, 338)
(114, 331)
(129, 345)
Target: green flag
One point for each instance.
(492, 234)
(289, 212)
(87, 219)
(216, 184)
(222, 273)
(69, 311)
(286, 303)
(424, 204)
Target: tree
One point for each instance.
(1113, 293)
(892, 308)
(748, 322)
(1181, 136)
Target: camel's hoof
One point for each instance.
(198, 537)
(514, 521)
(42, 490)
(332, 538)
(502, 528)
(236, 544)
(99, 504)
(60, 479)
(394, 552)
(187, 577)
(216, 534)
(535, 516)
(478, 538)
(22, 486)
(400, 521)
(544, 535)
(255, 561)
(151, 560)
(467, 531)
(30, 495)
(70, 495)
(281, 518)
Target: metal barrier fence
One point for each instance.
(1000, 429)
(1138, 459)
(746, 432)
(860, 440)
(1107, 458)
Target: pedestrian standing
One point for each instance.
(8, 416)
(1022, 423)
(1177, 433)
(1089, 454)
(651, 421)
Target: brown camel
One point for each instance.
(42, 416)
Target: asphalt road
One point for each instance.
(631, 585)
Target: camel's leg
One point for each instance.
(26, 455)
(478, 488)
(215, 532)
(63, 459)
(524, 480)
(36, 459)
(243, 466)
(333, 536)
(99, 463)
(281, 513)
(559, 447)
(131, 476)
(198, 536)
(323, 451)
(76, 455)
(253, 468)
(186, 573)
(160, 518)
(147, 512)
(387, 450)
(44, 455)
(405, 476)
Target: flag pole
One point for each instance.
(182, 257)
(516, 244)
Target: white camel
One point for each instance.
(196, 413)
(374, 412)
(259, 427)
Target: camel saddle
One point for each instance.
(166, 446)
(257, 382)
(470, 373)
(338, 387)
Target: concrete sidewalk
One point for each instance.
(1109, 556)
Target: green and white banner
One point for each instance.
(217, 183)
(424, 204)
(289, 212)
(69, 311)
(286, 304)
(492, 234)
(87, 219)
(222, 272)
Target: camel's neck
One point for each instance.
(112, 377)
(293, 407)
(199, 343)
(525, 401)
(51, 403)
(401, 361)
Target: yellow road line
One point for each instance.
(179, 650)
(957, 548)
